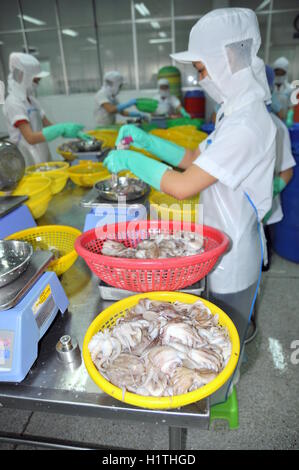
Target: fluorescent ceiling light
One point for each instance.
(70, 32)
(263, 5)
(30, 19)
(159, 41)
(91, 40)
(142, 9)
(162, 34)
(155, 24)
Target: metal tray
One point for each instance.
(14, 259)
(9, 203)
(12, 293)
(114, 293)
(107, 191)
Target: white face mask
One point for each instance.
(164, 93)
(279, 80)
(211, 89)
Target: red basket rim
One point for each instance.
(163, 263)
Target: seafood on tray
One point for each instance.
(160, 246)
(162, 349)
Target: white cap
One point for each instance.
(23, 69)
(226, 41)
(163, 82)
(281, 63)
(219, 27)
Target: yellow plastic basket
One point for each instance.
(54, 237)
(107, 319)
(187, 138)
(39, 207)
(166, 207)
(38, 190)
(108, 136)
(87, 173)
(58, 175)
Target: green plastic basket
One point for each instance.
(146, 105)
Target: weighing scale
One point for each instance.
(103, 212)
(14, 215)
(28, 307)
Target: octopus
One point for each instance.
(159, 247)
(162, 349)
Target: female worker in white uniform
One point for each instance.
(233, 168)
(282, 88)
(169, 105)
(107, 105)
(27, 124)
(283, 171)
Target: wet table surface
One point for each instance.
(52, 386)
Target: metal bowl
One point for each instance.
(12, 166)
(130, 188)
(78, 146)
(14, 259)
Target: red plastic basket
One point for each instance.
(145, 275)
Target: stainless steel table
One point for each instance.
(54, 387)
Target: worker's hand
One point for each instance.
(71, 130)
(62, 129)
(164, 149)
(184, 113)
(117, 160)
(120, 107)
(83, 136)
(278, 185)
(139, 137)
(145, 168)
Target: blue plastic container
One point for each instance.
(294, 135)
(286, 232)
(194, 103)
(208, 127)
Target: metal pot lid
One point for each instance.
(130, 188)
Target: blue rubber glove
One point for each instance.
(164, 149)
(120, 107)
(147, 169)
(184, 113)
(62, 129)
(137, 114)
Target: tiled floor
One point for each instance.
(267, 391)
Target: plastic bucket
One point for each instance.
(286, 232)
(195, 103)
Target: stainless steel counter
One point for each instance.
(52, 386)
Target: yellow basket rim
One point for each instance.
(51, 228)
(43, 179)
(160, 402)
(63, 166)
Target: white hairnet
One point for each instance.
(281, 63)
(112, 82)
(227, 40)
(163, 82)
(23, 69)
